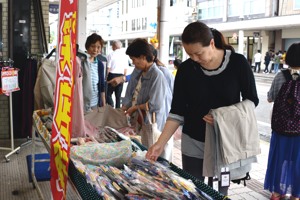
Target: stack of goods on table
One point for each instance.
(119, 170)
(94, 123)
(42, 120)
(139, 179)
(109, 117)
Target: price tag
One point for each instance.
(215, 184)
(225, 178)
(9, 80)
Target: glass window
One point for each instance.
(133, 25)
(138, 22)
(144, 23)
(251, 40)
(248, 7)
(210, 9)
(233, 8)
(296, 4)
(232, 40)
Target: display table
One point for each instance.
(78, 180)
(213, 194)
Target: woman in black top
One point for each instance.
(214, 76)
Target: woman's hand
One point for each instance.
(209, 119)
(124, 108)
(116, 81)
(131, 110)
(154, 152)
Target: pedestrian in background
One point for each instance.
(93, 80)
(213, 76)
(271, 64)
(176, 63)
(283, 170)
(257, 61)
(117, 65)
(267, 60)
(277, 58)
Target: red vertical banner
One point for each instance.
(62, 120)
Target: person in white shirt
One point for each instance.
(117, 65)
(257, 60)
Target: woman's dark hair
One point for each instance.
(292, 57)
(155, 59)
(140, 47)
(177, 62)
(199, 32)
(92, 39)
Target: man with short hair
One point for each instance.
(257, 60)
(117, 65)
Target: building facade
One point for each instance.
(248, 25)
(263, 24)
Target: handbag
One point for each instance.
(149, 132)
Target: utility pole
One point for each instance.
(82, 15)
(241, 32)
(162, 30)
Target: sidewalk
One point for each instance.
(254, 189)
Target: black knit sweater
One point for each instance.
(195, 93)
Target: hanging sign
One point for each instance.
(62, 121)
(53, 8)
(9, 79)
